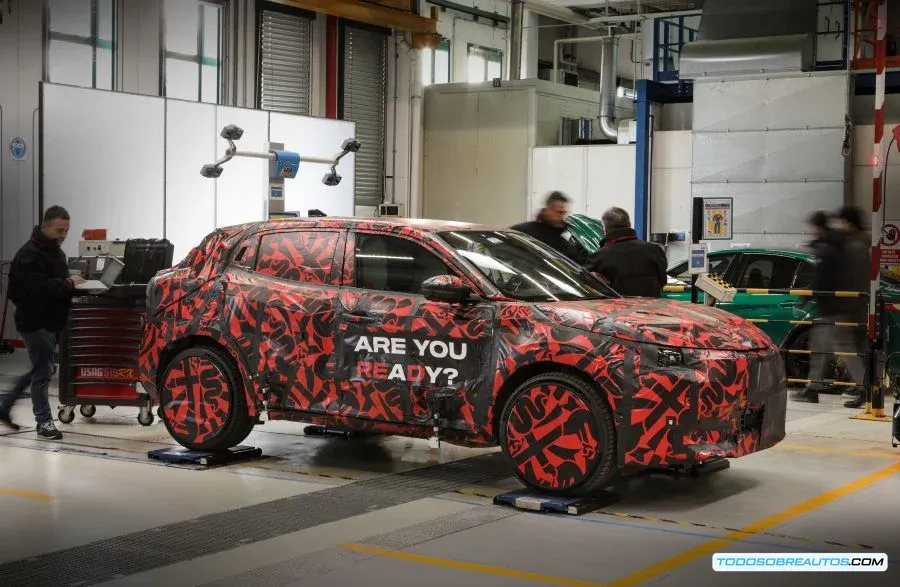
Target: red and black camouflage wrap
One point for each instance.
(297, 347)
(552, 437)
(198, 398)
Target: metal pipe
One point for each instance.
(627, 18)
(416, 109)
(573, 40)
(608, 62)
(515, 39)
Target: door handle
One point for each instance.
(787, 304)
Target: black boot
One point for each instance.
(806, 395)
(854, 397)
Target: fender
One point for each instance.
(252, 389)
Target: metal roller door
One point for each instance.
(285, 42)
(364, 100)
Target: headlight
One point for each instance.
(669, 358)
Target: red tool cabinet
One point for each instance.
(98, 357)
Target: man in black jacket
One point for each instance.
(843, 266)
(633, 267)
(550, 226)
(42, 290)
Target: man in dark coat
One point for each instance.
(550, 227)
(41, 289)
(633, 267)
(843, 266)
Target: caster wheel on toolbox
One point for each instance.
(145, 418)
(66, 415)
(88, 411)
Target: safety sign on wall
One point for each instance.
(17, 148)
(717, 216)
(890, 243)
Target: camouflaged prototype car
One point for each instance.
(393, 326)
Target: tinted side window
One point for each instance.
(769, 272)
(306, 256)
(389, 263)
(805, 276)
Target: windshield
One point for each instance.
(525, 269)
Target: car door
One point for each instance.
(400, 352)
(771, 310)
(294, 281)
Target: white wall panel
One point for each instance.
(559, 168)
(191, 135)
(784, 137)
(595, 177)
(241, 191)
(610, 172)
(316, 137)
(816, 101)
(813, 155)
(104, 161)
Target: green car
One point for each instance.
(763, 269)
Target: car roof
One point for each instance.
(377, 223)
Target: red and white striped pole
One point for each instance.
(875, 403)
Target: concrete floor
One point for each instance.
(832, 486)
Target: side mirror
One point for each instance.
(446, 288)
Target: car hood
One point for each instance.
(659, 321)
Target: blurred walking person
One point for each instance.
(836, 251)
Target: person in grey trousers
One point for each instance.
(843, 266)
(42, 289)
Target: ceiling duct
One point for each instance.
(608, 87)
(737, 37)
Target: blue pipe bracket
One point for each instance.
(287, 164)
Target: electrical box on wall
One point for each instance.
(389, 210)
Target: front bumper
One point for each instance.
(716, 404)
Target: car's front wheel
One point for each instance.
(559, 436)
(202, 400)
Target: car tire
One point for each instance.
(570, 412)
(221, 420)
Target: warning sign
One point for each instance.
(890, 243)
(717, 215)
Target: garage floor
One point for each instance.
(93, 509)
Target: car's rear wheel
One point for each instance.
(559, 436)
(202, 400)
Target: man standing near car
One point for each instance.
(550, 227)
(633, 267)
(41, 289)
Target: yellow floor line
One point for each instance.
(885, 454)
(26, 494)
(710, 548)
(464, 566)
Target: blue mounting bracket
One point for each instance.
(649, 93)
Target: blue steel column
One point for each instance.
(642, 160)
